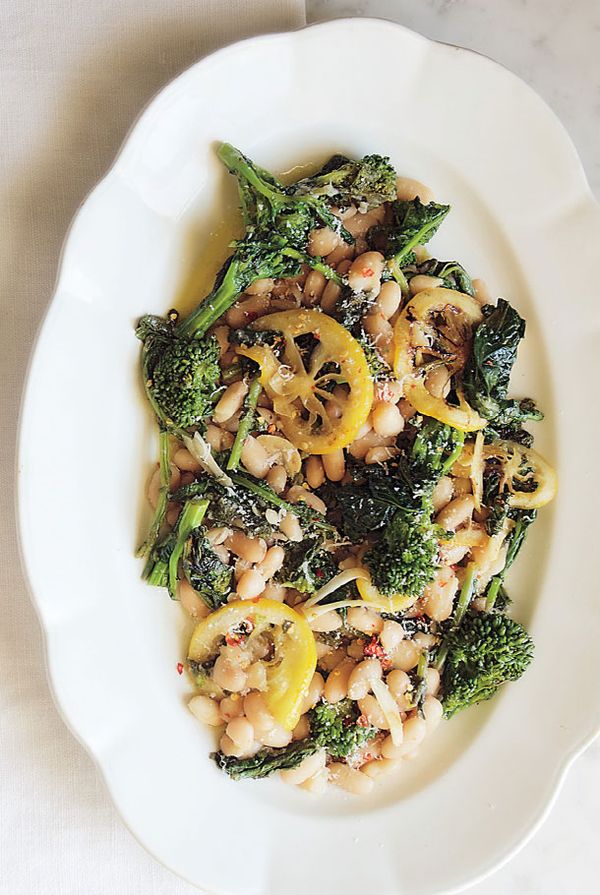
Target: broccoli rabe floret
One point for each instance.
(369, 181)
(334, 726)
(405, 560)
(483, 652)
(184, 380)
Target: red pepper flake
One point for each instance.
(362, 721)
(374, 650)
(180, 668)
(319, 573)
(238, 633)
(367, 271)
(271, 428)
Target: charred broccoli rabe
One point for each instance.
(307, 567)
(207, 574)
(484, 652)
(369, 181)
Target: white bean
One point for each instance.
(389, 298)
(290, 527)
(433, 711)
(359, 224)
(482, 293)
(350, 779)
(414, 730)
(184, 460)
(305, 769)
(314, 287)
(272, 562)
(317, 784)
(366, 620)
(361, 678)
(230, 401)
(421, 281)
(193, 604)
(228, 747)
(250, 549)
(302, 729)
(456, 513)
(314, 472)
(231, 707)
(438, 597)
(277, 737)
(322, 242)
(153, 489)
(241, 732)
(442, 493)
(361, 446)
(336, 685)
(432, 680)
(265, 284)
(331, 293)
(254, 458)
(437, 381)
(387, 419)
(406, 655)
(408, 189)
(221, 334)
(365, 273)
(371, 709)
(391, 634)
(274, 592)
(277, 479)
(328, 621)
(257, 676)
(379, 767)
(380, 330)
(399, 683)
(297, 493)
(206, 710)
(255, 709)
(228, 675)
(334, 465)
(250, 585)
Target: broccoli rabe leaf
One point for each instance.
(266, 761)
(306, 566)
(451, 272)
(205, 571)
(486, 375)
(411, 224)
(484, 652)
(334, 726)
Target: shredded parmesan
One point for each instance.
(336, 582)
(200, 451)
(477, 470)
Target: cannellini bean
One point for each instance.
(438, 597)
(317, 784)
(257, 676)
(379, 767)
(230, 401)
(228, 675)
(193, 604)
(254, 458)
(350, 779)
(425, 641)
(356, 649)
(421, 281)
(462, 486)
(173, 511)
(391, 635)
(334, 465)
(336, 685)
(331, 293)
(241, 732)
(258, 287)
(255, 709)
(314, 472)
(223, 553)
(360, 446)
(342, 252)
(184, 460)
(228, 747)
(389, 391)
(406, 655)
(332, 658)
(414, 729)
(218, 535)
(251, 549)
(322, 242)
(406, 409)
(232, 425)
(359, 224)
(314, 692)
(314, 287)
(153, 489)
(250, 585)
(387, 419)
(456, 513)
(328, 621)
(221, 334)
(302, 729)
(277, 479)
(277, 737)
(388, 300)
(433, 711)
(344, 266)
(359, 682)
(380, 455)
(297, 493)
(290, 527)
(482, 293)
(437, 381)
(371, 709)
(206, 710)
(442, 493)
(218, 439)
(398, 683)
(272, 562)
(274, 592)
(231, 707)
(365, 273)
(432, 680)
(408, 189)
(366, 620)
(305, 769)
(380, 330)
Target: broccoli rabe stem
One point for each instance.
(246, 424)
(163, 496)
(492, 592)
(328, 272)
(455, 454)
(464, 600)
(191, 517)
(215, 304)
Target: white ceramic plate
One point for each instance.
(151, 235)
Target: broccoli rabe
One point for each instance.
(411, 223)
(369, 181)
(266, 761)
(452, 273)
(163, 563)
(484, 652)
(307, 567)
(210, 577)
(405, 559)
(335, 727)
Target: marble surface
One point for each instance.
(554, 45)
